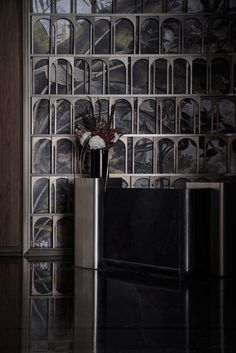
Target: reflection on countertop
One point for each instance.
(48, 306)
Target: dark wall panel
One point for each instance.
(10, 124)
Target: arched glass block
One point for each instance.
(193, 33)
(102, 108)
(189, 114)
(142, 183)
(159, 77)
(196, 6)
(206, 124)
(143, 157)
(63, 121)
(63, 6)
(125, 6)
(220, 73)
(43, 233)
(233, 157)
(166, 156)
(216, 156)
(147, 117)
(226, 116)
(41, 6)
(180, 183)
(171, 30)
(150, 37)
(123, 115)
(65, 280)
(83, 35)
(124, 37)
(219, 35)
(152, 6)
(199, 76)
(161, 183)
(84, 6)
(41, 36)
(41, 77)
(174, 6)
(41, 111)
(42, 157)
(41, 196)
(39, 320)
(98, 77)
(117, 77)
(168, 116)
(82, 108)
(117, 158)
(61, 73)
(63, 32)
(140, 77)
(43, 277)
(181, 76)
(81, 77)
(102, 37)
(104, 6)
(187, 156)
(64, 159)
(65, 233)
(62, 196)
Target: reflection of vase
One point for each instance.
(99, 159)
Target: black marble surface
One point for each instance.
(167, 229)
(113, 312)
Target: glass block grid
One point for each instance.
(169, 67)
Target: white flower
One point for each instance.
(116, 138)
(96, 143)
(85, 137)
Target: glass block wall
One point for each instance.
(169, 67)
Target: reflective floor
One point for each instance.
(49, 307)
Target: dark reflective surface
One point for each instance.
(49, 307)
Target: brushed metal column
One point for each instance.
(88, 222)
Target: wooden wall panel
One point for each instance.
(10, 124)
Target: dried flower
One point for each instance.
(96, 143)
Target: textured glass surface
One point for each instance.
(171, 36)
(63, 6)
(43, 233)
(152, 6)
(65, 232)
(159, 76)
(161, 183)
(84, 6)
(42, 157)
(165, 156)
(174, 5)
(140, 77)
(220, 41)
(64, 162)
(206, 115)
(63, 36)
(142, 183)
(41, 6)
(150, 37)
(168, 116)
(187, 156)
(61, 73)
(124, 37)
(62, 198)
(226, 116)
(82, 108)
(181, 68)
(147, 117)
(143, 155)
(117, 77)
(117, 158)
(41, 196)
(42, 277)
(63, 319)
(102, 108)
(103, 5)
(123, 6)
(81, 76)
(39, 318)
(41, 77)
(196, 6)
(216, 156)
(180, 183)
(41, 36)
(82, 37)
(123, 115)
(41, 116)
(192, 36)
(199, 76)
(63, 117)
(65, 277)
(188, 116)
(98, 77)
(102, 37)
(220, 76)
